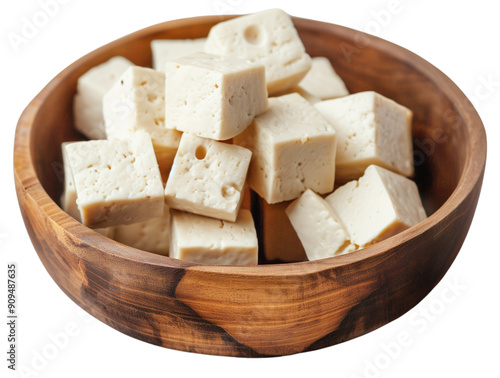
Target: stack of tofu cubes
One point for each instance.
(173, 150)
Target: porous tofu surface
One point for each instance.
(378, 205)
(267, 38)
(69, 197)
(294, 148)
(322, 81)
(208, 177)
(90, 90)
(116, 181)
(319, 228)
(212, 241)
(137, 102)
(371, 129)
(212, 96)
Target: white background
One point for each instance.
(457, 338)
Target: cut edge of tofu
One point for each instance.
(251, 35)
(197, 149)
(95, 212)
(333, 241)
(214, 251)
(400, 218)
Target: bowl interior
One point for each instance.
(364, 62)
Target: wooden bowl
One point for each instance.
(273, 309)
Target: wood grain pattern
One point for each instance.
(272, 309)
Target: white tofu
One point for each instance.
(137, 102)
(212, 241)
(116, 181)
(167, 49)
(90, 90)
(322, 81)
(312, 99)
(319, 228)
(371, 129)
(68, 197)
(267, 38)
(296, 89)
(378, 205)
(212, 96)
(208, 177)
(293, 149)
(152, 235)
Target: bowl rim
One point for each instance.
(27, 179)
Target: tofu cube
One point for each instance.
(293, 149)
(137, 102)
(68, 197)
(371, 129)
(306, 95)
(312, 99)
(90, 90)
(319, 228)
(378, 205)
(116, 181)
(167, 49)
(267, 38)
(212, 241)
(322, 81)
(213, 97)
(152, 235)
(208, 177)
